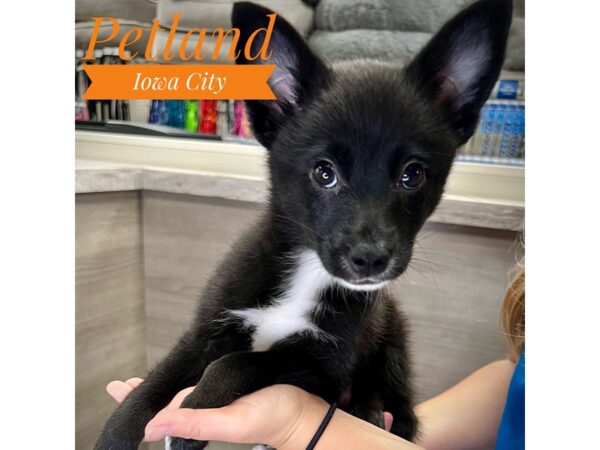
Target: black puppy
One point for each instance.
(358, 157)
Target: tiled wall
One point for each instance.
(109, 323)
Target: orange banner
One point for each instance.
(154, 81)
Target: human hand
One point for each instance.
(268, 416)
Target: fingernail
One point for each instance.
(156, 433)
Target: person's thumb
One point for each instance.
(219, 424)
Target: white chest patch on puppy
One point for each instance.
(289, 313)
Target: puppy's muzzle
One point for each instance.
(368, 261)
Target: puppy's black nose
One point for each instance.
(368, 261)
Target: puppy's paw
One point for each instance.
(175, 443)
(405, 424)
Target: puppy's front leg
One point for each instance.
(384, 384)
(396, 390)
(183, 367)
(238, 374)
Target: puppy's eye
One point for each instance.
(413, 176)
(324, 174)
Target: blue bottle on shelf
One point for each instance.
(153, 116)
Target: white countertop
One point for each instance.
(105, 176)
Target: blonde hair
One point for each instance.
(512, 313)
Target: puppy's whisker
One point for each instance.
(306, 227)
(413, 267)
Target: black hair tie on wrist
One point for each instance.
(321, 429)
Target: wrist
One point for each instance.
(307, 414)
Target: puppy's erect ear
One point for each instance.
(298, 75)
(458, 68)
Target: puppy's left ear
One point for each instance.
(458, 68)
(298, 75)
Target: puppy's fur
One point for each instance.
(358, 157)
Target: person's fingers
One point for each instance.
(134, 382)
(222, 424)
(388, 419)
(118, 390)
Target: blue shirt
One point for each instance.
(511, 434)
